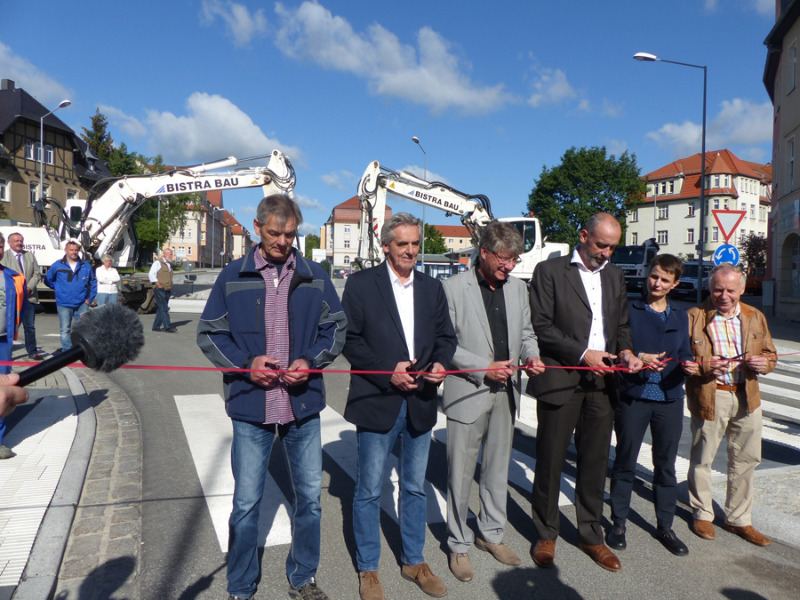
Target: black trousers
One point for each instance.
(630, 424)
(588, 413)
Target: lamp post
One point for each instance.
(213, 214)
(647, 57)
(63, 104)
(415, 139)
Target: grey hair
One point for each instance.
(726, 268)
(395, 221)
(501, 236)
(107, 257)
(15, 233)
(280, 207)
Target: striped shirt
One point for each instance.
(276, 327)
(726, 340)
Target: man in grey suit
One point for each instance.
(580, 314)
(492, 319)
(24, 263)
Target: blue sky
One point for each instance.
(494, 90)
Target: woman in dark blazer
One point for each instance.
(654, 396)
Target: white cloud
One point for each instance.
(431, 75)
(337, 180)
(240, 24)
(28, 77)
(213, 127)
(305, 202)
(764, 7)
(606, 108)
(308, 229)
(124, 122)
(739, 123)
(616, 147)
(419, 171)
(551, 87)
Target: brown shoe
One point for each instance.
(603, 556)
(460, 566)
(422, 575)
(544, 553)
(748, 533)
(500, 551)
(369, 586)
(704, 529)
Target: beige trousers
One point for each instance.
(743, 431)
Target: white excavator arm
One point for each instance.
(475, 211)
(108, 212)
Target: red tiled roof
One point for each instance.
(453, 230)
(215, 197)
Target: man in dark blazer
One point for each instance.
(23, 262)
(580, 316)
(398, 327)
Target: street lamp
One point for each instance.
(63, 104)
(213, 214)
(415, 139)
(647, 57)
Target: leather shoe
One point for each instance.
(615, 538)
(369, 586)
(461, 566)
(671, 542)
(500, 551)
(422, 575)
(704, 529)
(171, 330)
(602, 556)
(748, 533)
(544, 553)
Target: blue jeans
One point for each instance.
(162, 309)
(373, 450)
(66, 314)
(103, 298)
(302, 447)
(27, 317)
(5, 356)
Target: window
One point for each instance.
(716, 203)
(346, 260)
(671, 187)
(72, 194)
(450, 241)
(202, 236)
(690, 236)
(347, 243)
(662, 238)
(663, 212)
(634, 239)
(725, 204)
(634, 216)
(34, 191)
(742, 236)
(715, 234)
(4, 191)
(716, 181)
(49, 155)
(762, 213)
(30, 150)
(347, 229)
(690, 209)
(752, 211)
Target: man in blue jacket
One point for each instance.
(13, 286)
(278, 314)
(75, 285)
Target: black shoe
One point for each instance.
(615, 538)
(671, 542)
(171, 330)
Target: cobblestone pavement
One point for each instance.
(102, 557)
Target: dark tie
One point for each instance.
(21, 268)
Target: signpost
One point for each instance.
(726, 253)
(728, 221)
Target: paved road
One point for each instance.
(186, 487)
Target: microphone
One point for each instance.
(104, 339)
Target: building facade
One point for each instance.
(670, 211)
(456, 237)
(341, 234)
(70, 168)
(781, 82)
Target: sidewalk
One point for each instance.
(70, 514)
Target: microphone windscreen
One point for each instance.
(111, 335)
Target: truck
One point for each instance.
(102, 222)
(475, 212)
(687, 285)
(634, 260)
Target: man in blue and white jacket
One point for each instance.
(75, 285)
(278, 314)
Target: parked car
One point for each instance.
(687, 285)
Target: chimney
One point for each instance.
(7, 84)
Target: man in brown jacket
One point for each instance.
(732, 345)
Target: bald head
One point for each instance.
(599, 239)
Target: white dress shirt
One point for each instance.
(404, 298)
(593, 284)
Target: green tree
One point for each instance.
(98, 138)
(312, 243)
(586, 182)
(434, 240)
(753, 250)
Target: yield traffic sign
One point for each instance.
(728, 221)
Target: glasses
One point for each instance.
(509, 261)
